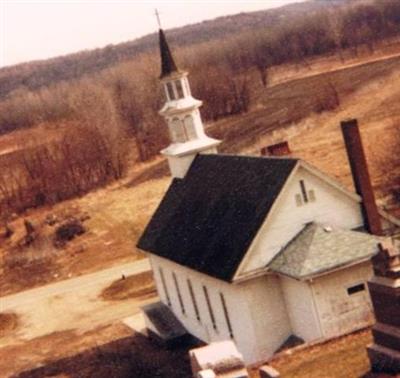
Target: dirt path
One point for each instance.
(73, 304)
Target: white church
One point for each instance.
(256, 249)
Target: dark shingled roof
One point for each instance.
(207, 220)
(167, 60)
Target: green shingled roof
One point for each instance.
(318, 249)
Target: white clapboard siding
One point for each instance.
(301, 309)
(340, 312)
(254, 307)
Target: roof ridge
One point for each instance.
(249, 156)
(308, 233)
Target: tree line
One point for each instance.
(90, 151)
(38, 74)
(218, 68)
(120, 103)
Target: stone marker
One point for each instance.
(206, 374)
(220, 358)
(384, 287)
(268, 372)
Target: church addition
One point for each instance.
(255, 249)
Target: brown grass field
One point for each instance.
(113, 350)
(117, 217)
(8, 323)
(118, 214)
(139, 285)
(344, 357)
(109, 351)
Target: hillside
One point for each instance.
(90, 336)
(76, 322)
(119, 212)
(34, 75)
(84, 154)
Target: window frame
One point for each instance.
(356, 289)
(177, 125)
(210, 309)
(171, 90)
(304, 191)
(186, 86)
(179, 89)
(298, 199)
(226, 314)
(311, 196)
(189, 126)
(194, 300)
(164, 285)
(179, 294)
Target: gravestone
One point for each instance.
(268, 372)
(384, 287)
(218, 360)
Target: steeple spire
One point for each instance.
(168, 65)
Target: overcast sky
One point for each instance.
(32, 29)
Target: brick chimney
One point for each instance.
(278, 149)
(361, 177)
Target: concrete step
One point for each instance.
(384, 360)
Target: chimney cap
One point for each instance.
(349, 120)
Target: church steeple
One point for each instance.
(181, 112)
(167, 60)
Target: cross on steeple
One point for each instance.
(158, 18)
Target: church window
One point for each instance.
(196, 308)
(189, 127)
(306, 196)
(164, 285)
(178, 292)
(228, 321)
(179, 89)
(170, 90)
(356, 289)
(311, 195)
(210, 309)
(303, 191)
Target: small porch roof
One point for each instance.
(319, 249)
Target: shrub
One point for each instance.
(68, 231)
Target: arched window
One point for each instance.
(178, 131)
(189, 127)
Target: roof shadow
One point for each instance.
(129, 357)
